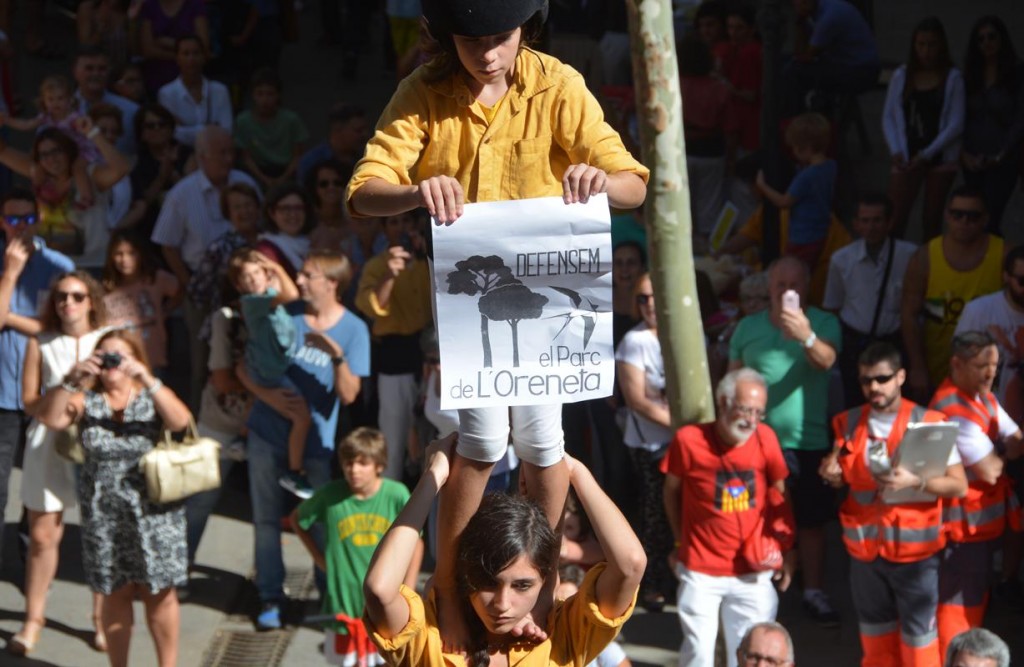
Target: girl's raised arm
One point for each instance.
(386, 608)
(617, 585)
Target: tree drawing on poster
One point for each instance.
(479, 276)
(513, 304)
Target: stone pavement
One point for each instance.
(221, 597)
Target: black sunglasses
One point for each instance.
(61, 297)
(968, 215)
(866, 380)
(27, 219)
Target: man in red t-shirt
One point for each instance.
(717, 477)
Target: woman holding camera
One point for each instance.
(69, 326)
(130, 546)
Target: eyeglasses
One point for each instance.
(748, 412)
(866, 380)
(644, 299)
(967, 215)
(27, 219)
(61, 297)
(333, 183)
(756, 659)
(154, 125)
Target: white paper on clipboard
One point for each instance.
(924, 451)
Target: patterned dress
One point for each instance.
(126, 538)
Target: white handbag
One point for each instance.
(176, 470)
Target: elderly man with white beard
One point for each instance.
(720, 480)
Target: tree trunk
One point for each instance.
(515, 342)
(667, 211)
(485, 339)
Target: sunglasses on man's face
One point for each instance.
(28, 219)
(867, 380)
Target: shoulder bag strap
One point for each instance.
(881, 288)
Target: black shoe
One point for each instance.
(820, 609)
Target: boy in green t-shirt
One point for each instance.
(356, 512)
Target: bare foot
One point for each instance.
(451, 622)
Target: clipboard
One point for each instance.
(924, 451)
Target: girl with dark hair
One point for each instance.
(71, 321)
(290, 218)
(995, 115)
(490, 119)
(161, 163)
(507, 560)
(923, 122)
(139, 294)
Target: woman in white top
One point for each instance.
(648, 430)
(194, 100)
(71, 321)
(923, 121)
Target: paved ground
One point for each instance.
(221, 597)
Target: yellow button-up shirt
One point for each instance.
(547, 121)
(408, 310)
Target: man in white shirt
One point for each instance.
(865, 284)
(194, 100)
(190, 220)
(91, 71)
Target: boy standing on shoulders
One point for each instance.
(356, 512)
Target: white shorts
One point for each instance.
(536, 433)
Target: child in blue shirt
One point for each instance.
(271, 342)
(809, 197)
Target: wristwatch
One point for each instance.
(809, 343)
(338, 360)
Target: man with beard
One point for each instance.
(718, 478)
(894, 548)
(1002, 315)
(975, 524)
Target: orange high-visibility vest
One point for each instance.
(987, 509)
(903, 533)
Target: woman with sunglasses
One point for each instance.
(71, 324)
(641, 373)
(326, 187)
(161, 163)
(994, 126)
(131, 547)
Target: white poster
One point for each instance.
(524, 303)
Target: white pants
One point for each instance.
(536, 433)
(742, 602)
(397, 395)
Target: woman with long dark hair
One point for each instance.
(507, 561)
(923, 123)
(994, 125)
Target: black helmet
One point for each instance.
(479, 18)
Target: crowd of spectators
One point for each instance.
(172, 202)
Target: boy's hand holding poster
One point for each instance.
(524, 303)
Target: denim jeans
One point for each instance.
(267, 463)
(12, 433)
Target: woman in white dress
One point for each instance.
(72, 321)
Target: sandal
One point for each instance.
(99, 639)
(25, 641)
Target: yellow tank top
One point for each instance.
(947, 293)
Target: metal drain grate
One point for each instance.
(247, 649)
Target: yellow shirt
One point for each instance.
(547, 121)
(408, 309)
(947, 293)
(577, 633)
